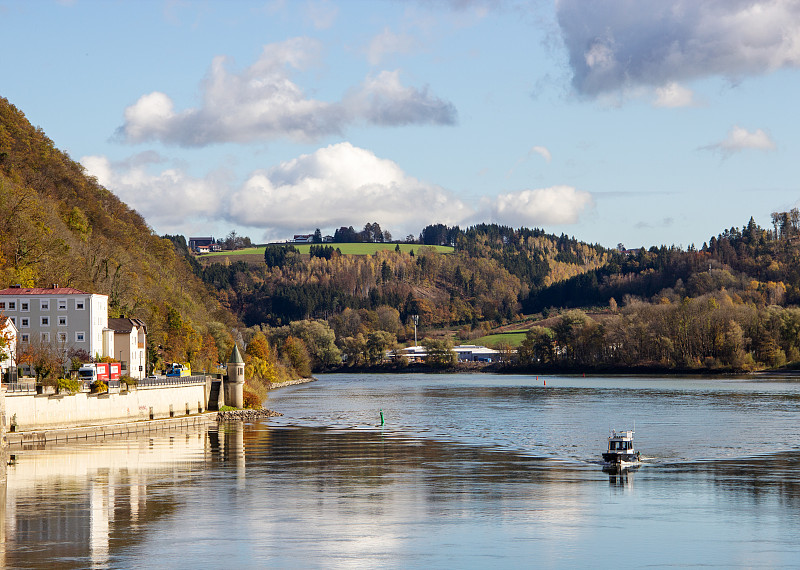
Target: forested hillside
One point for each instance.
(59, 226)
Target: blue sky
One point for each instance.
(642, 122)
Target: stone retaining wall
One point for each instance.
(26, 411)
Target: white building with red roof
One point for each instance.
(63, 316)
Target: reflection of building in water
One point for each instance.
(81, 501)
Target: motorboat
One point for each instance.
(620, 450)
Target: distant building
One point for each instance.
(303, 238)
(465, 353)
(130, 348)
(474, 353)
(195, 243)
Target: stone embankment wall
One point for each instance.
(101, 432)
(26, 411)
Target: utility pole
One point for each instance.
(415, 318)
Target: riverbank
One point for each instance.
(277, 385)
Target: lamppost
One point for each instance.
(415, 318)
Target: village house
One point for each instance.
(130, 345)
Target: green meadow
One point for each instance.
(345, 248)
(513, 338)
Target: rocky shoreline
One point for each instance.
(245, 415)
(291, 383)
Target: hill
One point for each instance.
(59, 226)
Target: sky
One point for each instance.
(642, 123)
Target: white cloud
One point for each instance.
(616, 45)
(740, 139)
(167, 199)
(674, 95)
(342, 185)
(387, 42)
(541, 151)
(383, 100)
(262, 103)
(336, 185)
(543, 206)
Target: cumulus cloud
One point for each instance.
(616, 45)
(674, 95)
(340, 185)
(336, 185)
(262, 102)
(543, 206)
(740, 139)
(166, 199)
(383, 100)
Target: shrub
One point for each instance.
(251, 400)
(68, 385)
(128, 381)
(98, 387)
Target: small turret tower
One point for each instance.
(234, 384)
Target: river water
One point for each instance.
(467, 471)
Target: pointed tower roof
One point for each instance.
(236, 356)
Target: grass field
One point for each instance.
(345, 248)
(509, 338)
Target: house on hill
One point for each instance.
(195, 243)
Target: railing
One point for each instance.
(171, 381)
(21, 387)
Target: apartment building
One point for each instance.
(60, 315)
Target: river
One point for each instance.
(467, 471)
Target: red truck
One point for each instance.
(104, 371)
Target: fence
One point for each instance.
(171, 381)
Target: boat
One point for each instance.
(620, 450)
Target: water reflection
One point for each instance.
(259, 495)
(69, 504)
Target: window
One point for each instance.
(2, 305)
(24, 306)
(24, 322)
(45, 321)
(13, 320)
(45, 337)
(62, 304)
(25, 338)
(44, 304)
(79, 305)
(62, 337)
(12, 305)
(80, 336)
(62, 321)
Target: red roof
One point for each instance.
(41, 291)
